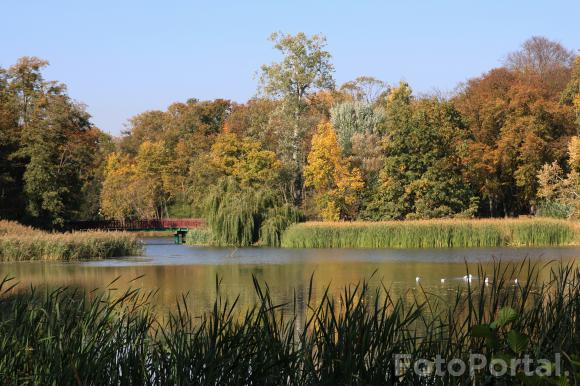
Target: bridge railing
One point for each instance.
(166, 223)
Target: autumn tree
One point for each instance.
(366, 89)
(336, 185)
(304, 68)
(117, 197)
(571, 94)
(151, 171)
(559, 192)
(540, 55)
(245, 160)
(253, 120)
(518, 125)
(246, 205)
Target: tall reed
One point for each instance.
(431, 234)
(18, 242)
(67, 337)
(199, 236)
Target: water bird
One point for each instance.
(443, 281)
(486, 280)
(516, 281)
(417, 279)
(468, 277)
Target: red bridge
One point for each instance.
(175, 224)
(179, 226)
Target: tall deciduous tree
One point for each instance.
(365, 89)
(304, 68)
(540, 55)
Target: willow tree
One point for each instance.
(243, 215)
(245, 206)
(351, 118)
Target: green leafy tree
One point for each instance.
(57, 144)
(423, 172)
(12, 168)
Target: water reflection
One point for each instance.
(178, 269)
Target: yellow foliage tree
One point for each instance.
(150, 183)
(136, 188)
(117, 199)
(244, 159)
(335, 184)
(563, 189)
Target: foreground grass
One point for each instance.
(432, 234)
(18, 243)
(65, 337)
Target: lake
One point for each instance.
(179, 269)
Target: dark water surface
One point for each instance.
(178, 269)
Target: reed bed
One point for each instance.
(18, 243)
(432, 234)
(199, 236)
(66, 337)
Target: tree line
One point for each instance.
(503, 144)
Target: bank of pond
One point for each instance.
(19, 242)
(433, 234)
(443, 233)
(359, 337)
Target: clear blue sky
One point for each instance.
(124, 57)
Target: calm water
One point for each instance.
(178, 269)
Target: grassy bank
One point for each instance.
(143, 234)
(432, 234)
(18, 243)
(64, 337)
